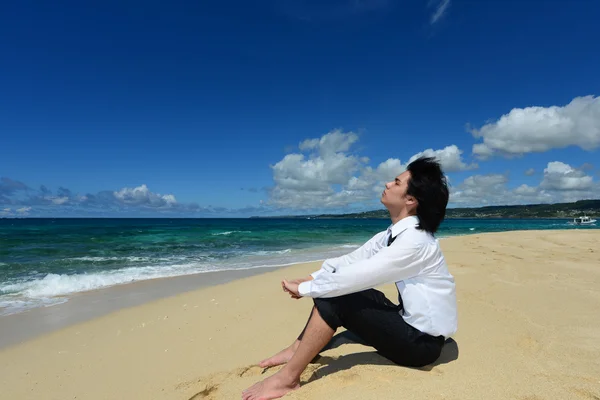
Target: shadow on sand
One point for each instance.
(332, 365)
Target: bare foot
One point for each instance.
(282, 357)
(273, 387)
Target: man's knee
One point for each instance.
(334, 310)
(327, 306)
(328, 309)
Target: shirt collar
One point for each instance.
(403, 224)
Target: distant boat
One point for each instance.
(585, 220)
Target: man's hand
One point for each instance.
(294, 283)
(300, 280)
(291, 287)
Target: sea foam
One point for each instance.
(229, 233)
(59, 285)
(52, 289)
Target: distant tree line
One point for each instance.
(558, 210)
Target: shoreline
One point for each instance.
(88, 305)
(527, 330)
(251, 261)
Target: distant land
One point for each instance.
(557, 210)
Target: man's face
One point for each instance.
(394, 196)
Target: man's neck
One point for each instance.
(397, 216)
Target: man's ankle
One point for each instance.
(289, 377)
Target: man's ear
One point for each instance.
(410, 200)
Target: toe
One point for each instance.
(246, 393)
(250, 392)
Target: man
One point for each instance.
(411, 333)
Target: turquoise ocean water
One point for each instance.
(43, 261)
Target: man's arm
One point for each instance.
(367, 250)
(391, 264)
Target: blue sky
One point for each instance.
(239, 108)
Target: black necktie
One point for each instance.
(391, 239)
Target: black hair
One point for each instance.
(429, 186)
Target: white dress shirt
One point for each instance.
(414, 261)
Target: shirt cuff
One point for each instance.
(316, 273)
(304, 289)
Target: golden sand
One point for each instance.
(529, 329)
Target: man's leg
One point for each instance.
(316, 335)
(378, 322)
(286, 354)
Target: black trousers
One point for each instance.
(377, 321)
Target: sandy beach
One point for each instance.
(528, 330)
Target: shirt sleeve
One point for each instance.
(367, 250)
(390, 264)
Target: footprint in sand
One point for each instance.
(253, 370)
(208, 386)
(204, 394)
(527, 342)
(221, 385)
(585, 394)
(211, 384)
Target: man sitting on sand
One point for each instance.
(411, 333)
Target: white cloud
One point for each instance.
(306, 181)
(561, 176)
(135, 201)
(526, 190)
(142, 196)
(477, 189)
(331, 143)
(385, 171)
(449, 157)
(440, 9)
(560, 183)
(23, 210)
(539, 129)
(331, 176)
(492, 189)
(487, 182)
(57, 200)
(530, 172)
